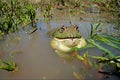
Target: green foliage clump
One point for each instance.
(9, 65)
(15, 13)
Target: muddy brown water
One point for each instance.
(37, 60)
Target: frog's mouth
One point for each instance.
(68, 37)
(70, 42)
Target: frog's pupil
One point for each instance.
(62, 29)
(76, 27)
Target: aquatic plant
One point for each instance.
(85, 59)
(78, 76)
(8, 65)
(111, 41)
(47, 12)
(114, 61)
(108, 40)
(31, 12)
(102, 60)
(14, 13)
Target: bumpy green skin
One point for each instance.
(67, 32)
(65, 38)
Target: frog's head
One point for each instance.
(66, 38)
(65, 32)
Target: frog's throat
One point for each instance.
(58, 44)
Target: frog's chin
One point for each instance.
(65, 45)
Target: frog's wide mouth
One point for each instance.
(68, 37)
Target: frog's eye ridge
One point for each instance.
(62, 29)
(76, 27)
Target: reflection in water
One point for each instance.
(37, 60)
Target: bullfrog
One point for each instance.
(66, 38)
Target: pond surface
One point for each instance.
(37, 60)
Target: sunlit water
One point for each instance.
(37, 60)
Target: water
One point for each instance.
(37, 60)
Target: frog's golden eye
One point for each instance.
(76, 27)
(62, 29)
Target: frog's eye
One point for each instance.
(62, 29)
(76, 27)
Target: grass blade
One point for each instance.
(106, 41)
(112, 39)
(111, 55)
(82, 48)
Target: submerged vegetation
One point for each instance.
(8, 65)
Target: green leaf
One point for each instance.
(82, 48)
(80, 57)
(78, 76)
(106, 41)
(85, 55)
(9, 65)
(111, 55)
(112, 39)
(96, 26)
(94, 29)
(99, 57)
